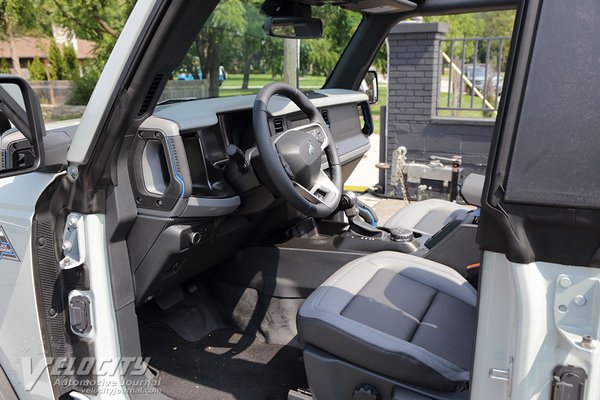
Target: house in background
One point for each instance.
(28, 47)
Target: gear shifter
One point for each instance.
(357, 224)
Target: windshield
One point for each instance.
(233, 56)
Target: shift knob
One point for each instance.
(348, 200)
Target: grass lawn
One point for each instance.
(234, 81)
(64, 117)
(376, 108)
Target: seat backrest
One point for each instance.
(472, 188)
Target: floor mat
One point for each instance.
(192, 318)
(223, 365)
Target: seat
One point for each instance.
(398, 316)
(429, 216)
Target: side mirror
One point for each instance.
(293, 27)
(21, 127)
(370, 86)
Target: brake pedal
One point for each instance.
(300, 394)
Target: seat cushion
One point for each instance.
(398, 315)
(427, 216)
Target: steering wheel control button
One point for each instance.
(317, 134)
(286, 167)
(401, 235)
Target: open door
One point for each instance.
(539, 319)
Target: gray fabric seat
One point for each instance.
(397, 315)
(427, 216)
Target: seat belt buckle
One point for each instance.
(473, 274)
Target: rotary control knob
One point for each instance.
(401, 235)
(365, 392)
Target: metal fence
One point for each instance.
(471, 76)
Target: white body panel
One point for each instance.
(104, 333)
(520, 318)
(21, 346)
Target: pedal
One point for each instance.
(169, 298)
(300, 394)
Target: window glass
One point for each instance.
(233, 56)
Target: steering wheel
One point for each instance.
(292, 159)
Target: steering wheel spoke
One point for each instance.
(323, 192)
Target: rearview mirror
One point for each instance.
(370, 86)
(294, 27)
(21, 127)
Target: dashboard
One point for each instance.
(178, 159)
(200, 202)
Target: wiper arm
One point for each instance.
(178, 100)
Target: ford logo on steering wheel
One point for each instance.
(311, 148)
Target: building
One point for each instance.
(28, 47)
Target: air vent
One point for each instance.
(325, 115)
(278, 125)
(150, 94)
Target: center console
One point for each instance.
(454, 245)
(363, 236)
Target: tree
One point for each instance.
(4, 66)
(381, 59)
(57, 68)
(84, 85)
(461, 26)
(226, 21)
(100, 21)
(273, 56)
(499, 23)
(320, 56)
(252, 39)
(71, 63)
(15, 15)
(37, 71)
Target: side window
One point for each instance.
(445, 80)
(473, 56)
